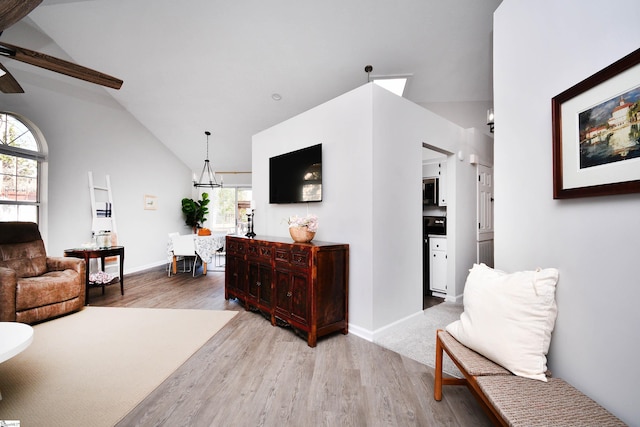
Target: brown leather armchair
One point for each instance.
(33, 286)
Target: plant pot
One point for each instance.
(301, 234)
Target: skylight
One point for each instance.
(395, 85)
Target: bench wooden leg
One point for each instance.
(468, 380)
(439, 379)
(437, 389)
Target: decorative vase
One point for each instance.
(301, 234)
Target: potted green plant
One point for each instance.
(195, 211)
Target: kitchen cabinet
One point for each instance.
(438, 264)
(437, 169)
(442, 184)
(304, 285)
(430, 170)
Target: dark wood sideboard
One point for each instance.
(305, 285)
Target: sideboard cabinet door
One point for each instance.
(259, 284)
(292, 300)
(235, 281)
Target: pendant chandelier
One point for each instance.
(208, 176)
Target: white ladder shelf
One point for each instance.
(103, 217)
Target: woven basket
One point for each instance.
(301, 234)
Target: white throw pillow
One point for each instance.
(508, 318)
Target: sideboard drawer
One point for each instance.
(301, 258)
(235, 247)
(293, 257)
(261, 252)
(283, 256)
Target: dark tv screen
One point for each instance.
(296, 177)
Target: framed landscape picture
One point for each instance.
(596, 133)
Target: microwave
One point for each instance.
(430, 191)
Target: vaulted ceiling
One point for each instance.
(191, 66)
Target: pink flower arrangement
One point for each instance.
(100, 277)
(310, 221)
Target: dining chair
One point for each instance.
(183, 247)
(170, 252)
(221, 252)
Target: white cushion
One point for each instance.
(508, 318)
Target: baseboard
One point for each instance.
(361, 332)
(146, 267)
(371, 336)
(456, 299)
(398, 324)
(164, 263)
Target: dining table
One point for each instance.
(205, 248)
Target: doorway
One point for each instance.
(434, 211)
(228, 209)
(484, 199)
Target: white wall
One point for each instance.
(86, 130)
(372, 173)
(344, 128)
(465, 215)
(542, 48)
(398, 132)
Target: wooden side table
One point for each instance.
(102, 253)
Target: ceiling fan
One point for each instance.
(12, 11)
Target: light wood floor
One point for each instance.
(253, 374)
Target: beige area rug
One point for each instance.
(92, 367)
(416, 338)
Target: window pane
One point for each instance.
(244, 207)
(19, 179)
(27, 189)
(28, 213)
(8, 212)
(222, 210)
(27, 167)
(19, 175)
(244, 194)
(226, 214)
(8, 164)
(9, 190)
(15, 134)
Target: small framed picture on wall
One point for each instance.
(150, 202)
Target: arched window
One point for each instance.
(22, 156)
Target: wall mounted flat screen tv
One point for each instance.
(296, 177)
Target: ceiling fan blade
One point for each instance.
(11, 11)
(7, 83)
(58, 65)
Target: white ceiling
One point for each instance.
(191, 66)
